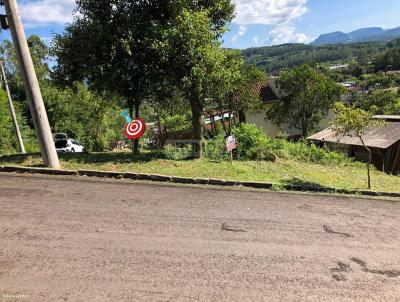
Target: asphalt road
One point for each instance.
(80, 240)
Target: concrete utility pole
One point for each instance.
(38, 111)
(11, 105)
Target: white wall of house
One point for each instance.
(259, 118)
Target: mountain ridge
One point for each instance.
(360, 35)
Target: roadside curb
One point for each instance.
(188, 180)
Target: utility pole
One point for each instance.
(11, 105)
(36, 105)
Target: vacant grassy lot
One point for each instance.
(351, 176)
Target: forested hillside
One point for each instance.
(275, 58)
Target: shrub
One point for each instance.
(253, 144)
(175, 153)
(215, 149)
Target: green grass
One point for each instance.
(349, 176)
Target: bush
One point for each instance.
(303, 151)
(215, 149)
(175, 153)
(8, 138)
(253, 144)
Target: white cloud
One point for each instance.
(268, 12)
(45, 12)
(287, 34)
(241, 31)
(281, 14)
(256, 41)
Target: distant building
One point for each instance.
(339, 67)
(270, 94)
(384, 142)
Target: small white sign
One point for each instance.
(230, 143)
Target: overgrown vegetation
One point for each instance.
(8, 138)
(253, 144)
(283, 171)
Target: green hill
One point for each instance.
(275, 58)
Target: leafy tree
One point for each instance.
(384, 100)
(390, 58)
(307, 97)
(197, 62)
(355, 122)
(238, 90)
(82, 114)
(112, 46)
(40, 55)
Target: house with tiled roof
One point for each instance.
(269, 95)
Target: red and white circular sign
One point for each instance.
(135, 129)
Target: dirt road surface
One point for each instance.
(80, 240)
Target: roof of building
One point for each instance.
(378, 137)
(267, 90)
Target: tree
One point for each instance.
(40, 55)
(197, 62)
(307, 96)
(355, 122)
(136, 48)
(112, 46)
(384, 100)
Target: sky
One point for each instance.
(257, 22)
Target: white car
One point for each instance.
(69, 145)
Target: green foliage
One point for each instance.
(83, 115)
(175, 153)
(275, 58)
(307, 96)
(390, 58)
(250, 142)
(253, 144)
(355, 122)
(305, 152)
(40, 55)
(385, 101)
(215, 149)
(8, 138)
(352, 121)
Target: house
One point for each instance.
(384, 142)
(269, 95)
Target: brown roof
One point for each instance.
(378, 137)
(267, 91)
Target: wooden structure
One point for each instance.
(384, 142)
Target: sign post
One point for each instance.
(231, 145)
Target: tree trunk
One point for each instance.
(242, 117)
(197, 111)
(136, 150)
(369, 162)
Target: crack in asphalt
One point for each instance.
(386, 273)
(227, 228)
(330, 231)
(337, 272)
